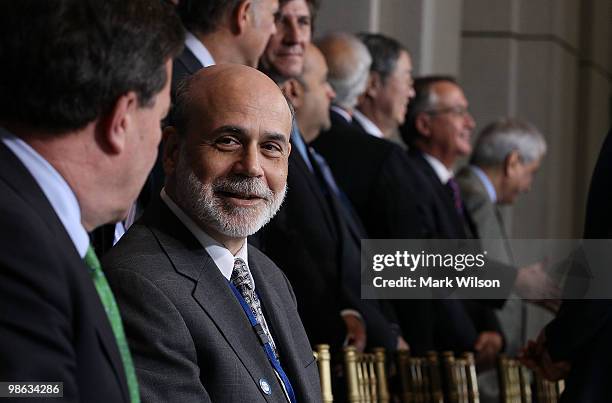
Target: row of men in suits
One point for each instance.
(403, 195)
(383, 182)
(506, 156)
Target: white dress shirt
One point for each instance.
(369, 126)
(198, 49)
(443, 173)
(342, 112)
(54, 186)
(223, 258)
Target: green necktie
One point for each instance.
(110, 306)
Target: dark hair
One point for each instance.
(384, 50)
(313, 8)
(421, 102)
(66, 62)
(203, 16)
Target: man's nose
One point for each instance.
(249, 163)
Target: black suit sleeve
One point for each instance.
(36, 329)
(578, 322)
(313, 287)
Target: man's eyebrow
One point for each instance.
(230, 129)
(276, 137)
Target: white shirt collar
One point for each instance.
(486, 182)
(54, 186)
(340, 111)
(443, 173)
(369, 126)
(222, 257)
(198, 49)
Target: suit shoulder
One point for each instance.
(138, 250)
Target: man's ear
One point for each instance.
(373, 85)
(242, 16)
(512, 164)
(423, 124)
(294, 91)
(171, 151)
(117, 123)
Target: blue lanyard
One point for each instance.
(265, 342)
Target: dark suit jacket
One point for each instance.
(582, 329)
(190, 338)
(183, 66)
(52, 324)
(380, 181)
(315, 244)
(457, 325)
(448, 224)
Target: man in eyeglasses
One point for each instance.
(438, 128)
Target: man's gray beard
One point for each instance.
(201, 203)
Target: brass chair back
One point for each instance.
(460, 377)
(548, 391)
(323, 357)
(366, 377)
(419, 378)
(514, 381)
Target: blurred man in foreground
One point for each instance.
(80, 126)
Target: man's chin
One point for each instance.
(290, 66)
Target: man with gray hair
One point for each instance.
(506, 156)
(348, 61)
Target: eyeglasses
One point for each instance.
(460, 111)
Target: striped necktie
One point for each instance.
(112, 312)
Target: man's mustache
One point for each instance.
(252, 187)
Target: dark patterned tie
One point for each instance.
(456, 193)
(241, 279)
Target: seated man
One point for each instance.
(208, 317)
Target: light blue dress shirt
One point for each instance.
(54, 186)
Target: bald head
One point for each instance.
(313, 101)
(348, 61)
(226, 159)
(226, 86)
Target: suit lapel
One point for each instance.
(188, 60)
(19, 178)
(443, 197)
(211, 292)
(273, 309)
(299, 169)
